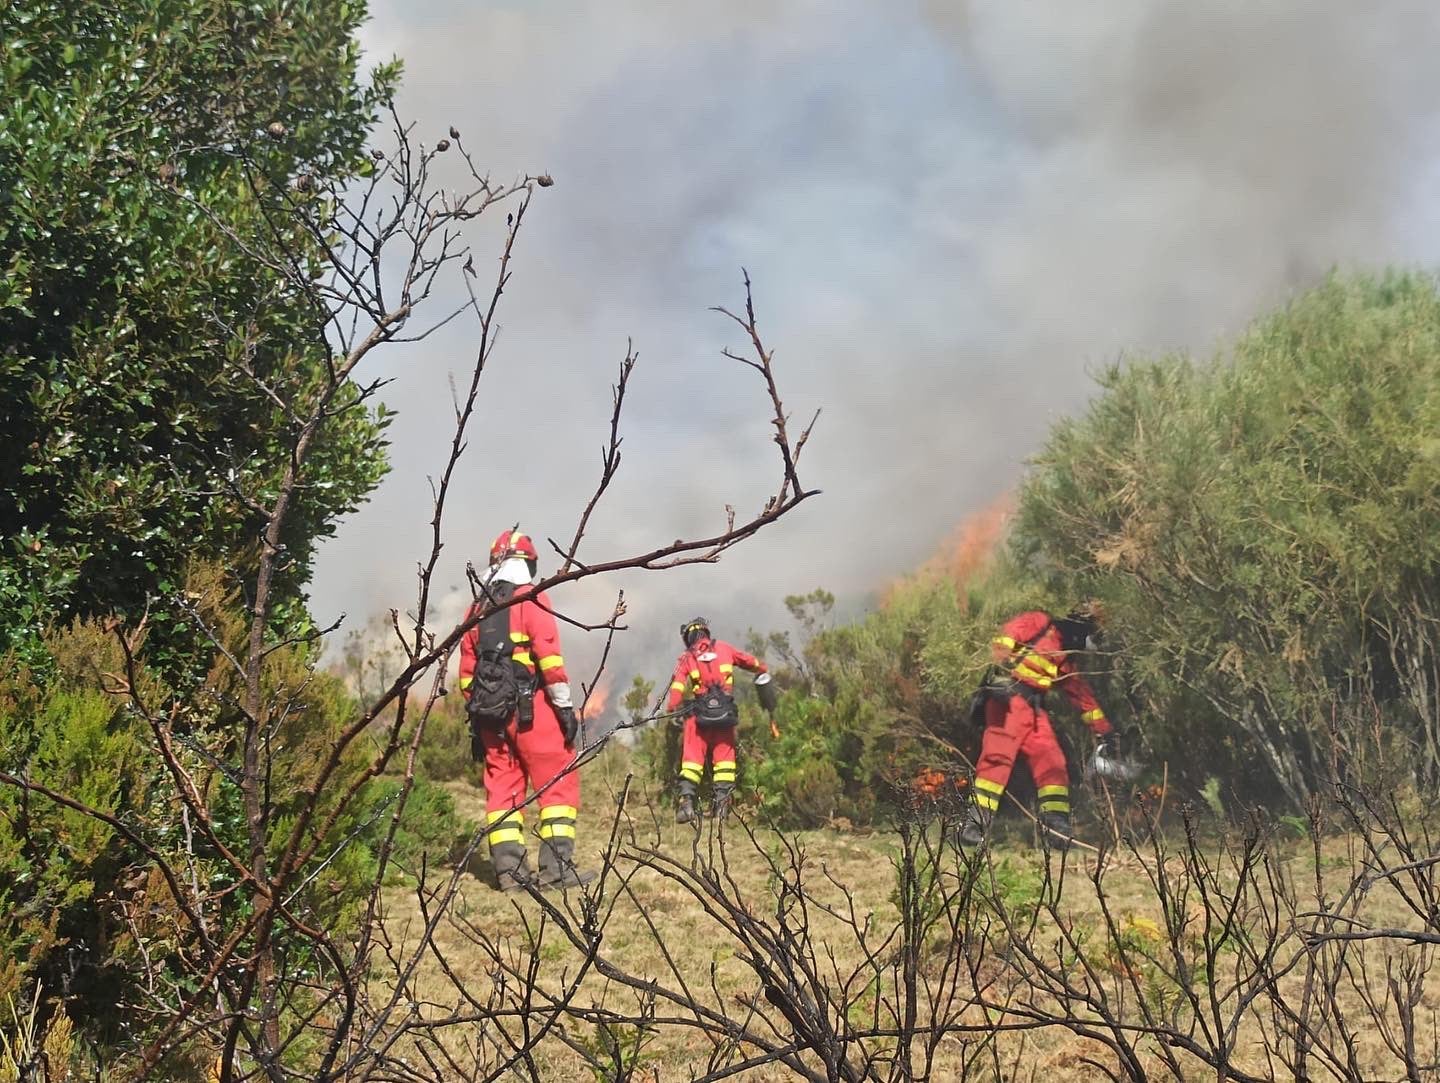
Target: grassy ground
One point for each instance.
(657, 928)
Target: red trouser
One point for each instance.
(1014, 727)
(719, 743)
(517, 759)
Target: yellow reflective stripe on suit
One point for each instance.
(558, 821)
(505, 825)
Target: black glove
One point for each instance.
(569, 723)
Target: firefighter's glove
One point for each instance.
(569, 724)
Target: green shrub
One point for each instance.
(429, 831)
(70, 736)
(1262, 529)
(445, 749)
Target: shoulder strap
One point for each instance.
(494, 630)
(706, 679)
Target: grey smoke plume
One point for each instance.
(952, 213)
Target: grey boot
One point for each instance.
(976, 827)
(1055, 831)
(720, 803)
(685, 811)
(557, 865)
(512, 873)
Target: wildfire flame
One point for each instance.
(968, 548)
(931, 782)
(598, 699)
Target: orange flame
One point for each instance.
(968, 548)
(931, 782)
(598, 699)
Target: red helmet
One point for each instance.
(512, 543)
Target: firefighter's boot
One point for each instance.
(976, 828)
(512, 873)
(685, 811)
(557, 865)
(720, 803)
(1055, 831)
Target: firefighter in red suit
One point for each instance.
(706, 673)
(537, 744)
(1033, 653)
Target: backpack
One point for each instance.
(494, 684)
(714, 706)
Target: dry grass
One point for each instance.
(849, 878)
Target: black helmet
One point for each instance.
(1080, 628)
(694, 630)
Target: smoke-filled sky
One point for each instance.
(953, 214)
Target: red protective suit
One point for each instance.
(516, 758)
(709, 662)
(1029, 649)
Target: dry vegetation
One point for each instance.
(752, 954)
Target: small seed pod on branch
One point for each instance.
(544, 180)
(454, 132)
(442, 146)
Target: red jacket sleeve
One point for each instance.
(747, 661)
(679, 681)
(727, 657)
(539, 625)
(1078, 691)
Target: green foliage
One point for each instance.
(1261, 529)
(72, 737)
(80, 901)
(807, 778)
(145, 152)
(657, 753)
(430, 832)
(1014, 888)
(617, 1052)
(637, 699)
(445, 748)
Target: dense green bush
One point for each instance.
(445, 748)
(146, 156)
(1262, 528)
(71, 736)
(1260, 531)
(81, 906)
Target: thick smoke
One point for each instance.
(952, 213)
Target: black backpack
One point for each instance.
(495, 683)
(714, 706)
